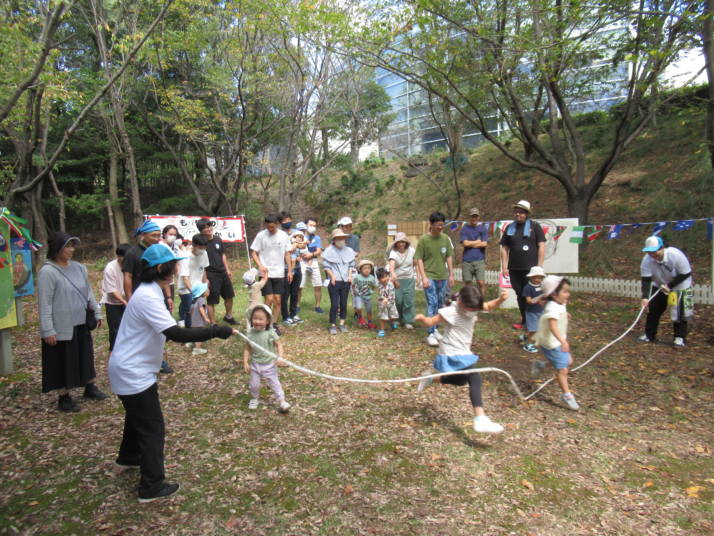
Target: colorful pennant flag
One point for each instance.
(576, 235)
(615, 232)
(17, 224)
(659, 227)
(559, 230)
(596, 231)
(683, 225)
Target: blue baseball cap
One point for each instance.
(147, 227)
(159, 254)
(198, 289)
(301, 226)
(653, 243)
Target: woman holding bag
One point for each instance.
(66, 306)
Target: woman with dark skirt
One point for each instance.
(135, 362)
(63, 295)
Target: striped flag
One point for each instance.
(615, 232)
(596, 231)
(659, 227)
(559, 230)
(683, 225)
(576, 235)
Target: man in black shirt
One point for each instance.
(522, 248)
(218, 273)
(149, 234)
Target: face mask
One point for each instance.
(287, 225)
(311, 229)
(339, 244)
(170, 239)
(198, 251)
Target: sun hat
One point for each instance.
(158, 254)
(338, 233)
(401, 237)
(550, 283)
(301, 226)
(536, 271)
(523, 205)
(344, 221)
(298, 231)
(249, 276)
(363, 262)
(57, 243)
(474, 212)
(653, 243)
(262, 306)
(147, 227)
(198, 289)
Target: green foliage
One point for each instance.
(180, 204)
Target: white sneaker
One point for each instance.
(199, 351)
(284, 407)
(679, 342)
(431, 340)
(408, 326)
(253, 404)
(569, 400)
(425, 382)
(181, 324)
(189, 345)
(484, 425)
(438, 335)
(644, 338)
(537, 368)
(297, 320)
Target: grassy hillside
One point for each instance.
(664, 175)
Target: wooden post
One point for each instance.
(20, 312)
(5, 352)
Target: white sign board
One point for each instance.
(228, 228)
(561, 255)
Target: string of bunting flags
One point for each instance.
(17, 224)
(587, 233)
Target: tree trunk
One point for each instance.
(39, 226)
(579, 206)
(708, 49)
(120, 224)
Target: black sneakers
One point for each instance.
(66, 404)
(230, 320)
(92, 392)
(165, 490)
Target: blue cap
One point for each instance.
(198, 289)
(301, 226)
(147, 227)
(158, 254)
(653, 243)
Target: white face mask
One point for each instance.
(311, 229)
(339, 244)
(170, 239)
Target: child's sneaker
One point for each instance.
(283, 406)
(343, 328)
(537, 368)
(253, 404)
(362, 322)
(431, 340)
(288, 322)
(319, 310)
(297, 320)
(522, 337)
(530, 347)
(199, 351)
(380, 333)
(425, 382)
(181, 323)
(679, 342)
(644, 338)
(371, 326)
(333, 330)
(569, 400)
(517, 326)
(484, 425)
(395, 325)
(438, 335)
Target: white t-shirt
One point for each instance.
(193, 267)
(672, 264)
(458, 331)
(544, 336)
(139, 348)
(271, 249)
(404, 265)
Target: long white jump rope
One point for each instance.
(516, 390)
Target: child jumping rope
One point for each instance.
(455, 349)
(258, 364)
(552, 335)
(363, 286)
(534, 308)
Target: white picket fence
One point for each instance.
(628, 288)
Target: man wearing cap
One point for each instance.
(149, 234)
(474, 238)
(667, 270)
(217, 272)
(289, 300)
(522, 248)
(352, 240)
(309, 262)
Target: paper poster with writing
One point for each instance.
(8, 317)
(22, 279)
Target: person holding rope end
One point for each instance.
(666, 269)
(135, 362)
(455, 353)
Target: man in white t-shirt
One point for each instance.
(666, 269)
(271, 252)
(191, 271)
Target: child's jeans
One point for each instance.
(363, 302)
(185, 308)
(435, 295)
(269, 373)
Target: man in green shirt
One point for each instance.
(434, 254)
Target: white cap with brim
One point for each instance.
(523, 205)
(549, 284)
(344, 221)
(262, 306)
(653, 243)
(536, 271)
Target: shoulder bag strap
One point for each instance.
(85, 298)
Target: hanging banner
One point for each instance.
(22, 279)
(228, 228)
(8, 316)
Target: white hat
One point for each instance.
(524, 205)
(653, 243)
(262, 306)
(250, 276)
(536, 271)
(549, 284)
(344, 221)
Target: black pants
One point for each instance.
(143, 440)
(289, 302)
(518, 281)
(657, 307)
(339, 292)
(114, 315)
(474, 380)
